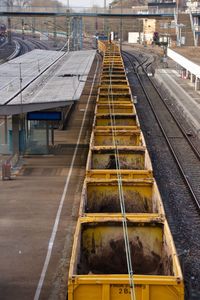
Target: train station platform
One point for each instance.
(39, 210)
(40, 80)
(191, 53)
(46, 79)
(182, 92)
(187, 58)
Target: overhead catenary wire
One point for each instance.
(119, 179)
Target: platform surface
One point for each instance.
(183, 93)
(29, 207)
(63, 81)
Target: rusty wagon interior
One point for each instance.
(116, 120)
(103, 197)
(102, 250)
(134, 159)
(121, 137)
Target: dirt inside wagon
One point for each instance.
(120, 120)
(104, 253)
(133, 160)
(110, 203)
(116, 97)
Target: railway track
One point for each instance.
(185, 153)
(38, 44)
(24, 47)
(29, 45)
(182, 192)
(21, 46)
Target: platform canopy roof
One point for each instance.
(186, 58)
(46, 79)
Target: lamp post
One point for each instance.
(179, 37)
(9, 31)
(21, 115)
(54, 31)
(104, 20)
(9, 24)
(111, 35)
(145, 30)
(121, 26)
(22, 29)
(96, 28)
(20, 83)
(68, 23)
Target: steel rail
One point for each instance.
(24, 47)
(196, 201)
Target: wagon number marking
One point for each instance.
(124, 291)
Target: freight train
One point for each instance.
(123, 248)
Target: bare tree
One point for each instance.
(46, 3)
(8, 3)
(20, 3)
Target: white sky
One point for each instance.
(85, 3)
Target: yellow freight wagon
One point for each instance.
(106, 80)
(118, 77)
(109, 54)
(102, 46)
(101, 197)
(117, 61)
(130, 158)
(113, 61)
(113, 57)
(119, 121)
(123, 137)
(115, 70)
(113, 174)
(116, 108)
(98, 264)
(114, 89)
(114, 98)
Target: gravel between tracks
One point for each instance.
(184, 221)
